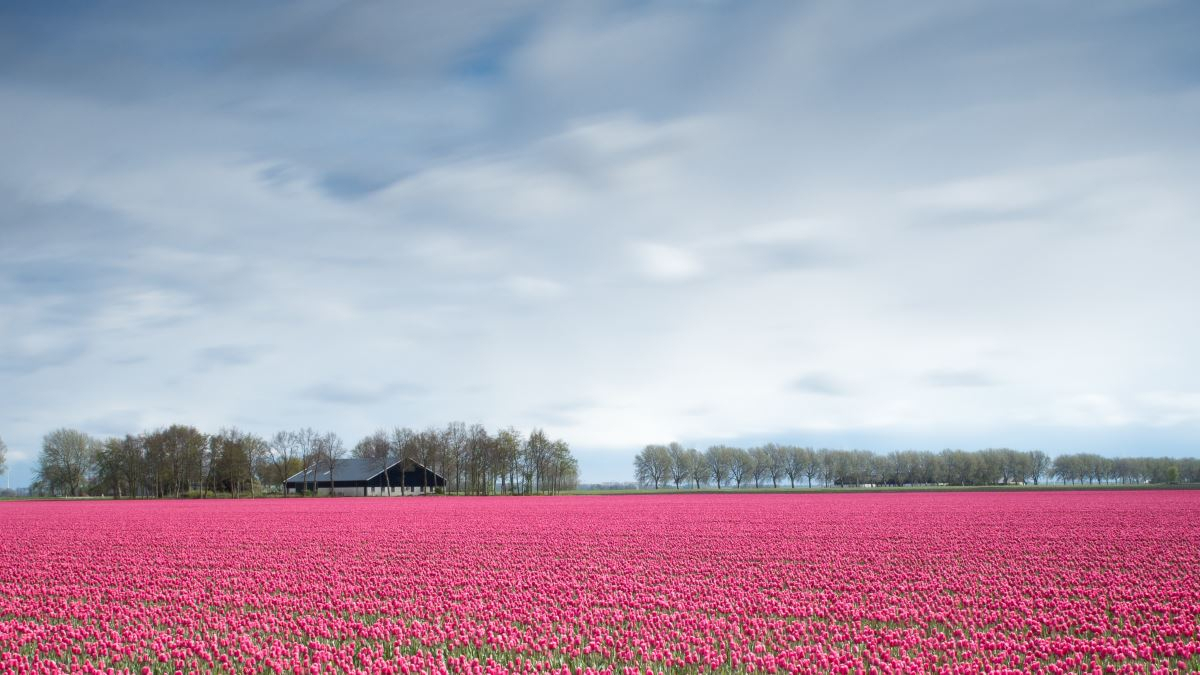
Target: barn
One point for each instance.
(366, 477)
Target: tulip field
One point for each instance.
(890, 582)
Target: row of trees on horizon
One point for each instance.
(180, 460)
(772, 464)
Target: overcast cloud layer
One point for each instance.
(880, 224)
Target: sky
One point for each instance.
(840, 224)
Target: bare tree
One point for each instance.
(741, 465)
(3, 457)
(408, 445)
(508, 453)
(812, 464)
(792, 461)
(1038, 466)
(478, 449)
(307, 446)
(258, 458)
(331, 449)
(536, 455)
(283, 451)
(174, 458)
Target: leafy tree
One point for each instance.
(777, 462)
(66, 460)
(701, 471)
(653, 465)
(120, 467)
(761, 465)
(741, 465)
(720, 460)
(681, 467)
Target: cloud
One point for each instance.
(1171, 408)
(351, 186)
(536, 288)
(229, 356)
(117, 422)
(818, 383)
(351, 394)
(958, 378)
(661, 262)
(33, 356)
(688, 215)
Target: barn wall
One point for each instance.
(343, 491)
(373, 492)
(395, 492)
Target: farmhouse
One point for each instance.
(366, 477)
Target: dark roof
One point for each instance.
(351, 469)
(345, 469)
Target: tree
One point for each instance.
(174, 458)
(120, 469)
(378, 448)
(1173, 474)
(308, 447)
(653, 465)
(741, 465)
(562, 469)
(507, 455)
(106, 477)
(701, 471)
(811, 463)
(3, 457)
(332, 451)
(285, 449)
(1037, 466)
(477, 460)
(536, 454)
(1067, 468)
(792, 462)
(719, 459)
(66, 460)
(234, 460)
(760, 467)
(407, 445)
(681, 467)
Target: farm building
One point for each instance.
(366, 477)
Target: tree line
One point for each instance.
(181, 460)
(773, 465)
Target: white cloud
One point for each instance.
(1170, 408)
(536, 287)
(666, 263)
(967, 236)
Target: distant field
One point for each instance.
(1105, 581)
(1048, 487)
